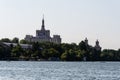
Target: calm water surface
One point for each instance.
(23, 70)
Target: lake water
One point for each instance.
(25, 70)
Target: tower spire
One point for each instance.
(97, 46)
(43, 24)
(97, 42)
(86, 41)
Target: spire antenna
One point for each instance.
(43, 24)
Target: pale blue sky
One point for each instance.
(72, 19)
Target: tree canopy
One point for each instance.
(52, 51)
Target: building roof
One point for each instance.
(24, 46)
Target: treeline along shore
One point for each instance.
(16, 49)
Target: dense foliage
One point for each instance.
(51, 51)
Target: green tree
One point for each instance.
(17, 51)
(36, 46)
(37, 54)
(82, 46)
(64, 56)
(4, 52)
(5, 40)
(94, 55)
(45, 54)
(118, 55)
(15, 40)
(53, 53)
(108, 55)
(23, 41)
(79, 55)
(69, 55)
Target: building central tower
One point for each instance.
(43, 35)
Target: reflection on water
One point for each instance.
(16, 70)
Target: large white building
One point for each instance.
(43, 35)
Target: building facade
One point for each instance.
(43, 35)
